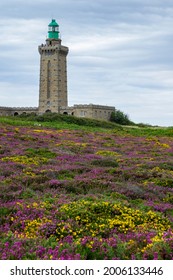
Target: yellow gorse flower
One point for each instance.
(108, 153)
(26, 160)
(32, 227)
(98, 217)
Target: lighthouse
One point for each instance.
(53, 72)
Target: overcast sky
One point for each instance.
(120, 53)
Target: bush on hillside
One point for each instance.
(55, 117)
(120, 118)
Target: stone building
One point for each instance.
(53, 95)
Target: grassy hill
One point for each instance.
(82, 189)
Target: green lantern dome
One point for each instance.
(53, 32)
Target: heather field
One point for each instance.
(77, 192)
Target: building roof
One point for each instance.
(53, 23)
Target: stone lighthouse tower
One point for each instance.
(53, 72)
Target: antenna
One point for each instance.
(52, 16)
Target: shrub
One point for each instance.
(55, 117)
(120, 118)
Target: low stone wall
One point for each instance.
(91, 111)
(13, 111)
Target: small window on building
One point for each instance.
(82, 113)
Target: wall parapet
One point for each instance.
(18, 108)
(94, 106)
(25, 108)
